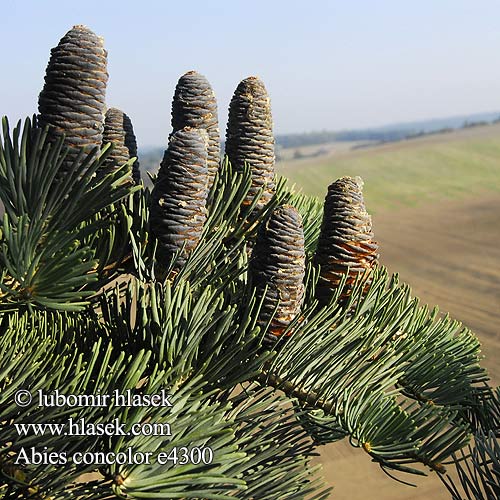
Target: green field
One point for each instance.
(412, 172)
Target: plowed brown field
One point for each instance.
(449, 252)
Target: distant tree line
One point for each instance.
(150, 158)
(379, 135)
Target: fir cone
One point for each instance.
(178, 202)
(194, 105)
(249, 137)
(72, 99)
(119, 131)
(279, 263)
(345, 244)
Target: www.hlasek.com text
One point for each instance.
(82, 427)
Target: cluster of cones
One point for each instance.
(345, 251)
(72, 102)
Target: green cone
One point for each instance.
(194, 105)
(279, 263)
(119, 131)
(72, 100)
(345, 244)
(178, 201)
(249, 136)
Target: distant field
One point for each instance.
(411, 172)
(446, 261)
(443, 240)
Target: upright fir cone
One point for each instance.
(178, 202)
(119, 131)
(72, 99)
(249, 137)
(345, 244)
(279, 263)
(194, 105)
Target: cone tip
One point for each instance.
(346, 179)
(252, 80)
(193, 74)
(288, 211)
(252, 85)
(81, 28)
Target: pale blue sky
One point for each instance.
(326, 64)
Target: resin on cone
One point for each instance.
(194, 105)
(119, 131)
(279, 264)
(345, 245)
(178, 201)
(72, 100)
(249, 137)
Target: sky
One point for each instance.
(327, 65)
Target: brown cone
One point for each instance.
(345, 244)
